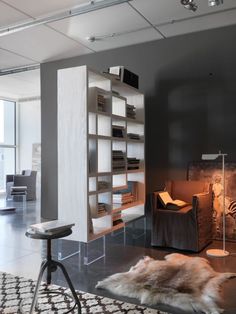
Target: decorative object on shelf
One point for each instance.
(130, 111)
(221, 191)
(187, 283)
(211, 171)
(125, 75)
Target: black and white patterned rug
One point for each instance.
(14, 289)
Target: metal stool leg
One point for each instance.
(44, 266)
(70, 285)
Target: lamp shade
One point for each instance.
(209, 156)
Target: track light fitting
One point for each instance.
(213, 3)
(189, 5)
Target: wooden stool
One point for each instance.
(51, 266)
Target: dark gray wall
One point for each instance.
(189, 84)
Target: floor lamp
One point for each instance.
(218, 252)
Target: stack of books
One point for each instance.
(118, 131)
(101, 103)
(101, 208)
(51, 227)
(130, 111)
(133, 136)
(118, 160)
(103, 185)
(122, 198)
(116, 218)
(133, 163)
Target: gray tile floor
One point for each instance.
(22, 256)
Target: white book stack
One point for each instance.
(51, 227)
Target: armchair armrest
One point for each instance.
(155, 200)
(202, 200)
(9, 178)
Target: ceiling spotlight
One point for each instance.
(189, 4)
(91, 38)
(213, 3)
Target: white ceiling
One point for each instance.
(120, 25)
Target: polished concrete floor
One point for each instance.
(22, 256)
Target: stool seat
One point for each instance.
(48, 236)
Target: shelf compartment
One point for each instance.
(92, 149)
(104, 125)
(92, 184)
(101, 224)
(135, 128)
(133, 213)
(104, 198)
(93, 205)
(104, 155)
(117, 207)
(92, 125)
(101, 231)
(119, 180)
(99, 100)
(96, 79)
(104, 183)
(118, 106)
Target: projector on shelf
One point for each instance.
(125, 75)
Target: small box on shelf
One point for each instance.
(118, 131)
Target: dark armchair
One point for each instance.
(189, 228)
(27, 178)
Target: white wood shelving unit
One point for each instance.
(85, 145)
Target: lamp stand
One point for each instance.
(219, 252)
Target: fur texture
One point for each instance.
(189, 283)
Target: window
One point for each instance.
(7, 140)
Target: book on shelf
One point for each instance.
(51, 227)
(132, 163)
(117, 222)
(101, 208)
(122, 198)
(125, 196)
(101, 101)
(118, 160)
(133, 136)
(103, 185)
(167, 201)
(116, 216)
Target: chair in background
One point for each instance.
(27, 178)
(189, 228)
